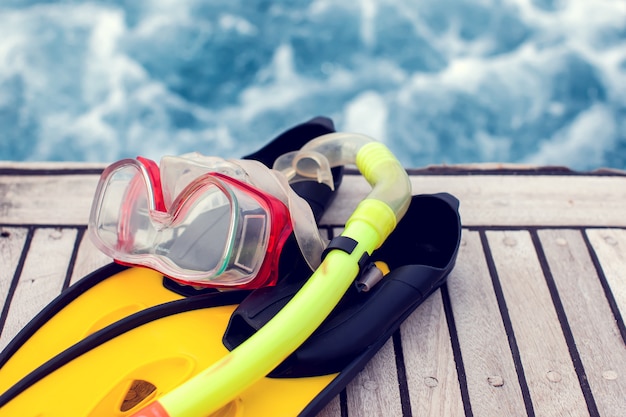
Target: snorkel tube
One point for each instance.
(367, 228)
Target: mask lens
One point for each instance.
(251, 243)
(219, 232)
(252, 239)
(199, 236)
(123, 210)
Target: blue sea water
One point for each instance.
(439, 81)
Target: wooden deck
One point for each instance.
(531, 321)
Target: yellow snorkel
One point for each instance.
(367, 228)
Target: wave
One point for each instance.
(439, 81)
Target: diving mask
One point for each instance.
(196, 219)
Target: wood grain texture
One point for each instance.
(487, 199)
(610, 247)
(602, 350)
(549, 371)
(429, 362)
(492, 381)
(46, 199)
(332, 409)
(88, 259)
(12, 242)
(527, 200)
(42, 278)
(374, 391)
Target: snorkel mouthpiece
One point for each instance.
(302, 165)
(373, 220)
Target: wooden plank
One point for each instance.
(42, 278)
(27, 168)
(601, 349)
(507, 200)
(88, 259)
(46, 199)
(610, 247)
(332, 409)
(487, 199)
(430, 368)
(548, 368)
(492, 381)
(12, 242)
(375, 391)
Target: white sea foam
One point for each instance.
(540, 81)
(572, 143)
(367, 114)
